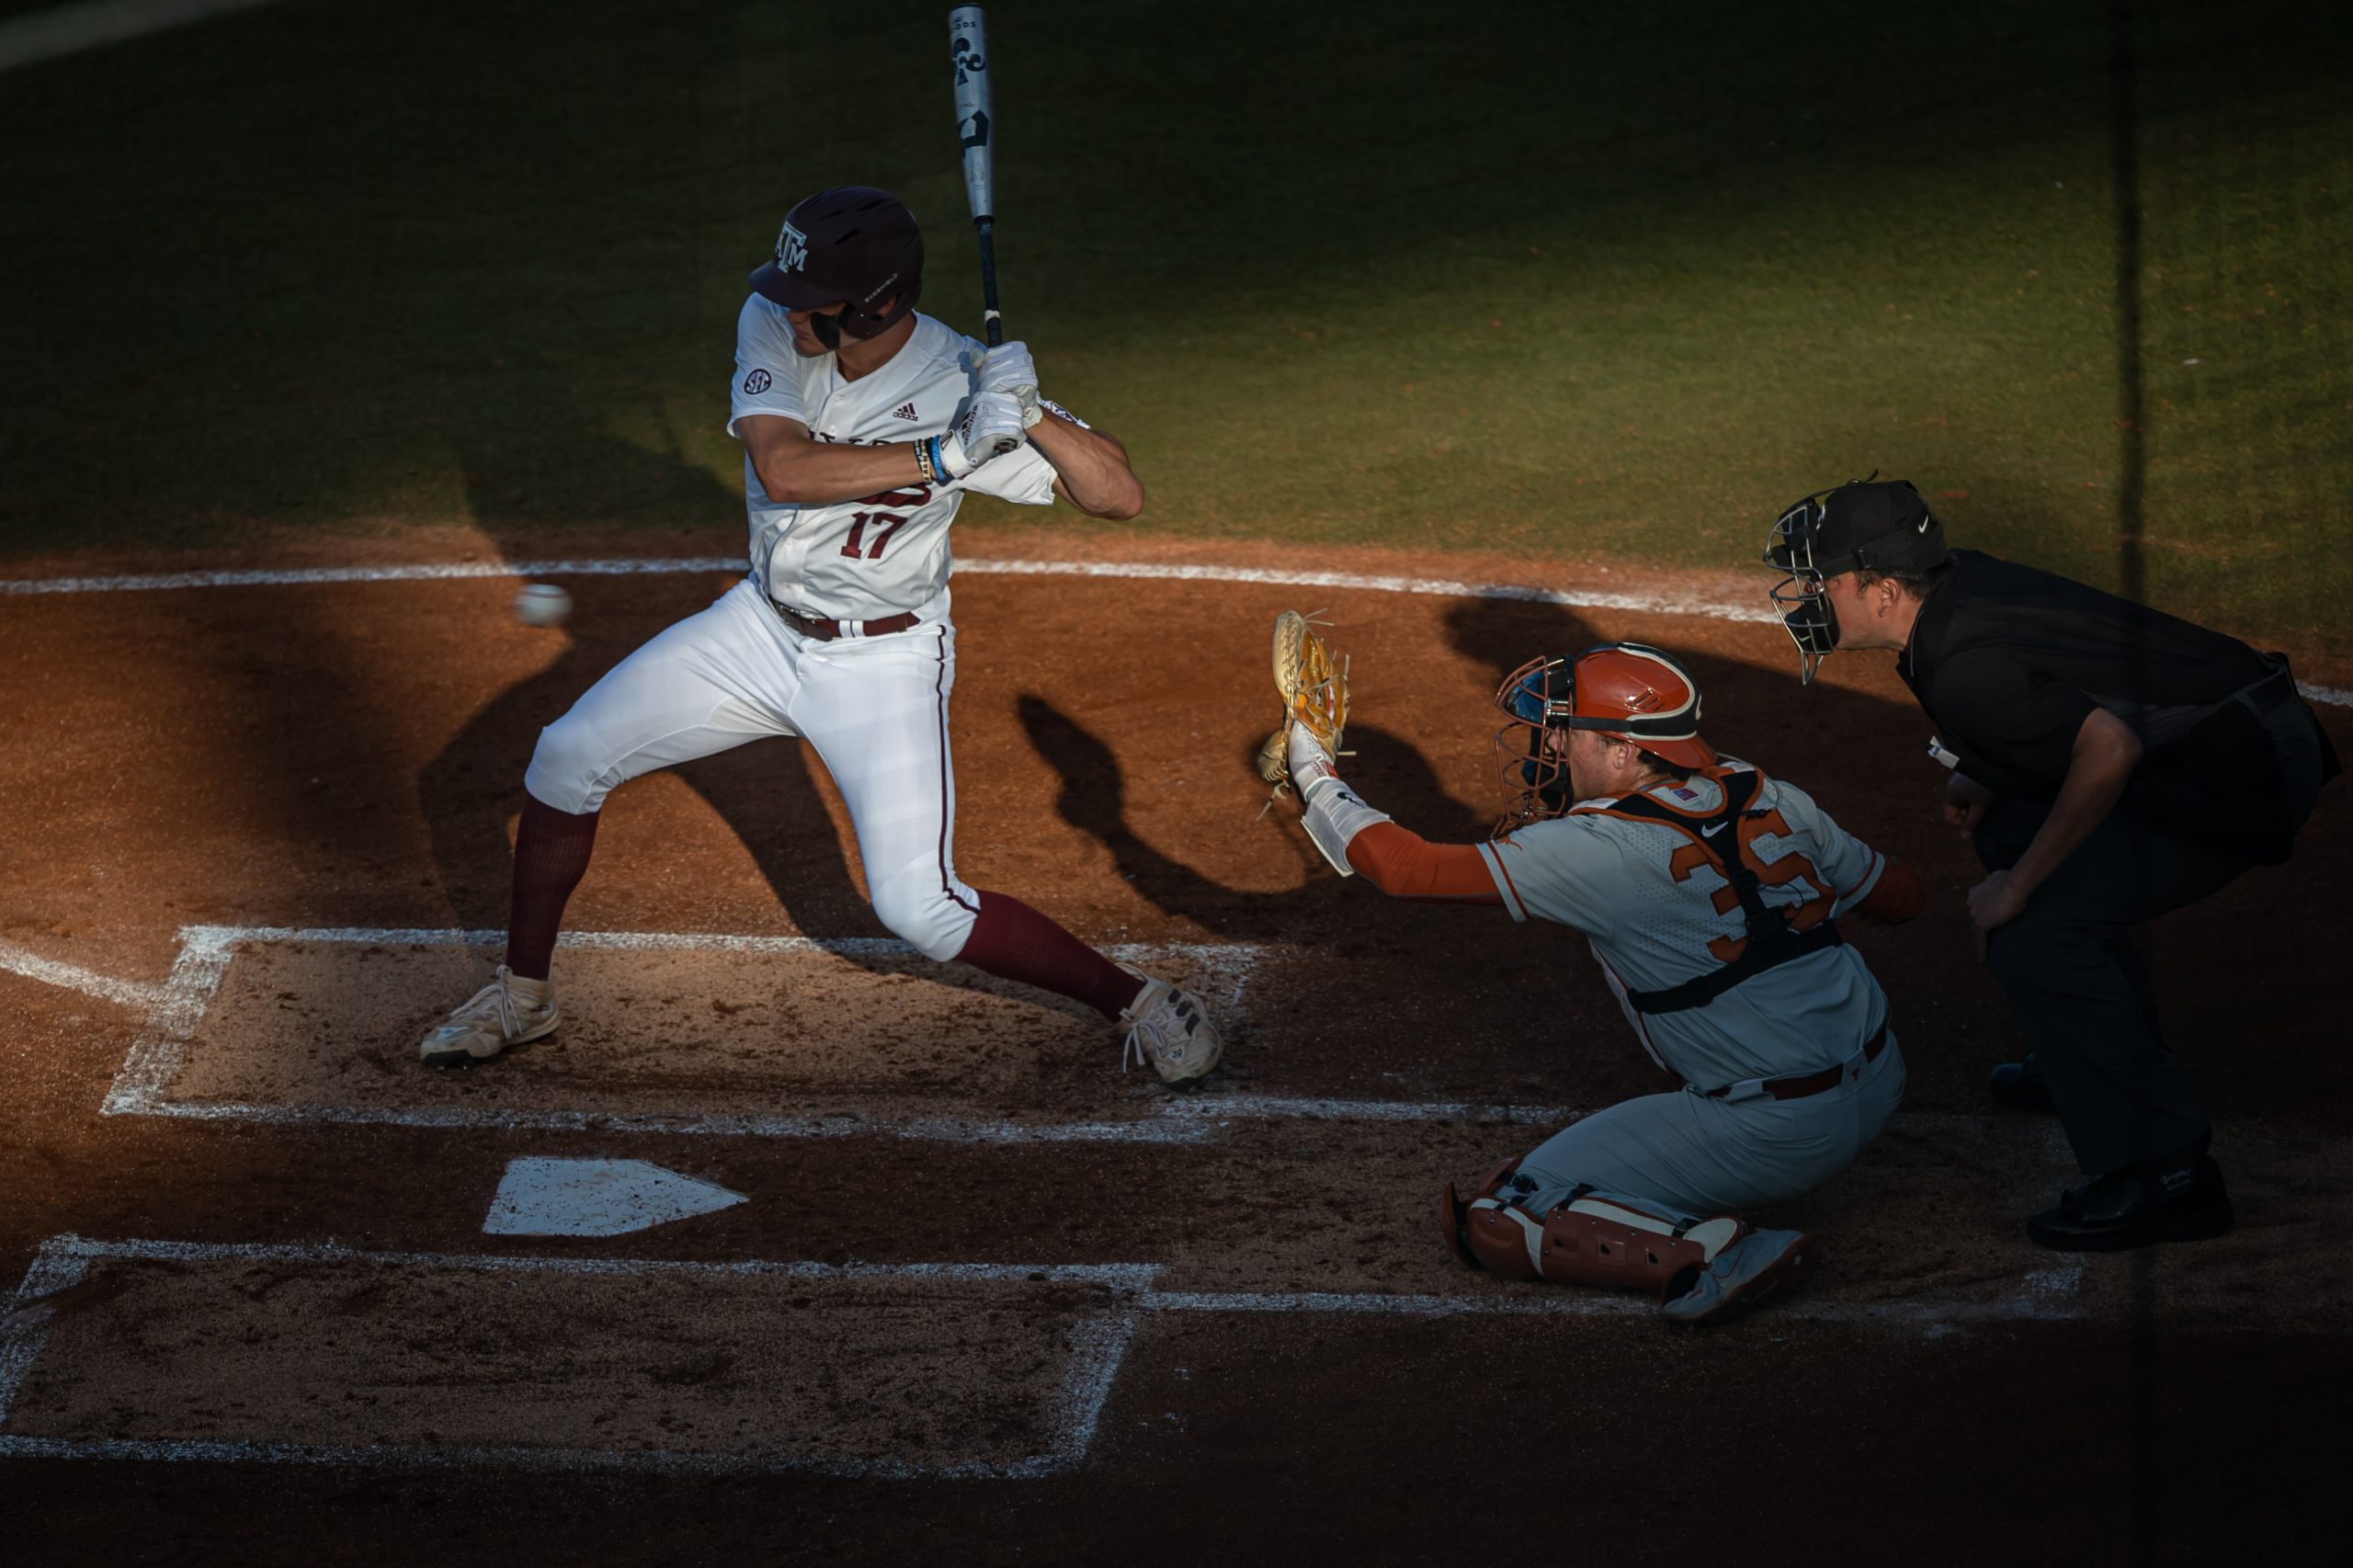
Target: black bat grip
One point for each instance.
(991, 328)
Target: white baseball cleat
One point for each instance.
(1742, 1275)
(1171, 1029)
(507, 1012)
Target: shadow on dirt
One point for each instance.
(1093, 799)
(766, 791)
(1758, 714)
(1395, 775)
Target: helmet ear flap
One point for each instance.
(859, 323)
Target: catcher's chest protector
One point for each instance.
(1720, 840)
(1597, 1241)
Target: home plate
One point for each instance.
(596, 1197)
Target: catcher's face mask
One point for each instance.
(1798, 596)
(1535, 767)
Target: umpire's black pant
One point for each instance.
(2080, 986)
(2078, 982)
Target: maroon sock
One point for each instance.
(1013, 941)
(551, 856)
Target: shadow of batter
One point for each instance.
(1092, 799)
(766, 791)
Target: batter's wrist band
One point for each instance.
(925, 462)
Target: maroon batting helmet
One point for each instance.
(851, 244)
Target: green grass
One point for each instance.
(1565, 281)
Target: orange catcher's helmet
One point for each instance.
(1627, 691)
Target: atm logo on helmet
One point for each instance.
(792, 250)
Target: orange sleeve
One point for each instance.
(1897, 897)
(1404, 864)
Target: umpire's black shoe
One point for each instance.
(2167, 1202)
(2019, 1084)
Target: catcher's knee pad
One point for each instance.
(1597, 1241)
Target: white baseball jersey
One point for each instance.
(1657, 914)
(867, 559)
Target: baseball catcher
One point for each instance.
(1710, 895)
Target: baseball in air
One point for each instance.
(542, 604)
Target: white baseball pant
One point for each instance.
(876, 709)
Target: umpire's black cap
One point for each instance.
(1877, 526)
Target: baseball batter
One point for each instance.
(1710, 894)
(864, 424)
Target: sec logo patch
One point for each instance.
(757, 381)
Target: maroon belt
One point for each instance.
(1813, 1083)
(826, 630)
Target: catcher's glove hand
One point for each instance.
(1314, 693)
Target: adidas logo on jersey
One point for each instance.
(904, 411)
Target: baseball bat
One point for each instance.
(967, 45)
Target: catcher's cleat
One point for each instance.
(1171, 1029)
(1742, 1275)
(507, 1012)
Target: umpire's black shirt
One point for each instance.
(2009, 662)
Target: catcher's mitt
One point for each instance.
(1314, 693)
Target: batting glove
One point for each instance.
(988, 426)
(1009, 368)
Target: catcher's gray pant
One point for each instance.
(1702, 1157)
(875, 708)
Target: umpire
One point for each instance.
(2110, 763)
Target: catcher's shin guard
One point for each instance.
(1597, 1241)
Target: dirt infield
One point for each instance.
(988, 1299)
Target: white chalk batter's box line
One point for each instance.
(142, 1086)
(1098, 1352)
(1442, 587)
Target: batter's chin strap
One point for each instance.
(1771, 942)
